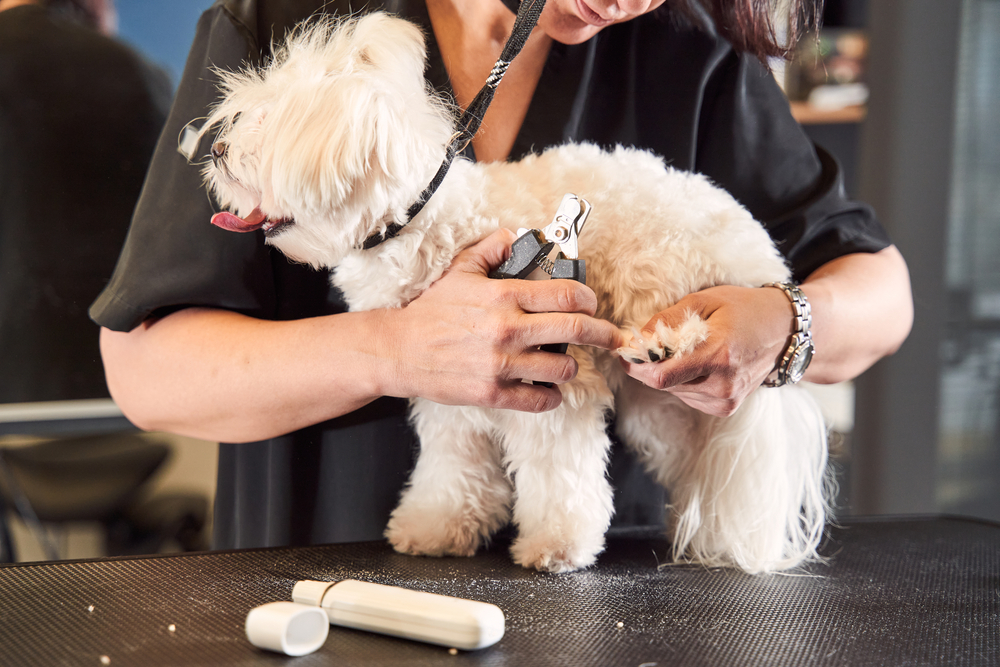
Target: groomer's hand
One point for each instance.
(749, 329)
(470, 340)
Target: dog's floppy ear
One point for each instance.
(349, 142)
(386, 43)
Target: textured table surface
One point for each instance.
(894, 592)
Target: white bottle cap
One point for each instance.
(287, 627)
(311, 592)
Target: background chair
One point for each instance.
(103, 479)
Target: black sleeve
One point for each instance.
(173, 257)
(749, 144)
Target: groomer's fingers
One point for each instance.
(535, 366)
(676, 315)
(668, 374)
(486, 255)
(575, 328)
(532, 296)
(542, 366)
(525, 397)
(700, 380)
(546, 296)
(693, 368)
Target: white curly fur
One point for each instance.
(341, 133)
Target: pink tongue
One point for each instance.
(235, 223)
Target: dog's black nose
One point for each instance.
(218, 150)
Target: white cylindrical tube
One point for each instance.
(286, 627)
(401, 612)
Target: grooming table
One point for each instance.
(900, 591)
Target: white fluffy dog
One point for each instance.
(338, 135)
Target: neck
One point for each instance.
(480, 24)
(471, 35)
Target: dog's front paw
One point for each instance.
(641, 350)
(424, 534)
(546, 554)
(665, 342)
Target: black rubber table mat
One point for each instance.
(894, 592)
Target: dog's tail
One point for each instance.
(757, 493)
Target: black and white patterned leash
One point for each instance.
(527, 17)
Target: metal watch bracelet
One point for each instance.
(799, 352)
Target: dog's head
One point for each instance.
(331, 140)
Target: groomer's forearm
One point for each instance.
(221, 376)
(862, 311)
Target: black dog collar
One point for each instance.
(527, 16)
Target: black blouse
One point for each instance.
(655, 83)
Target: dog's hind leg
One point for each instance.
(749, 490)
(458, 494)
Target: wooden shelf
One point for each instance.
(809, 115)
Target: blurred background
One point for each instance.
(76, 479)
(906, 95)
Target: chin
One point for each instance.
(567, 22)
(565, 28)
(748, 491)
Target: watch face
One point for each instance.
(799, 362)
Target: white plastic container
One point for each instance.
(400, 612)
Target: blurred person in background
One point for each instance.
(80, 113)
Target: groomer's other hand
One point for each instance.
(470, 340)
(749, 329)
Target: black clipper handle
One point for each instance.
(526, 254)
(567, 269)
(530, 252)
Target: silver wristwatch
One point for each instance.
(800, 350)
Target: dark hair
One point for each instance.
(83, 11)
(749, 24)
